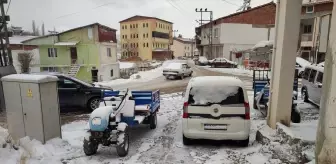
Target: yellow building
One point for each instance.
(146, 37)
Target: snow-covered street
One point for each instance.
(162, 145)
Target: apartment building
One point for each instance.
(147, 38)
(184, 47)
(314, 29)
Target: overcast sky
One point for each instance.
(66, 14)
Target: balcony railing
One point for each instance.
(306, 37)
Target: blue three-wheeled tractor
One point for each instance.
(118, 111)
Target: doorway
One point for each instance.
(73, 55)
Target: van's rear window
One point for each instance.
(208, 95)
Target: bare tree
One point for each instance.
(129, 49)
(43, 30)
(25, 59)
(34, 27)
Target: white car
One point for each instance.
(216, 108)
(180, 70)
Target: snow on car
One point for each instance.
(202, 60)
(301, 65)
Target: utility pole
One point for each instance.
(174, 31)
(6, 59)
(211, 26)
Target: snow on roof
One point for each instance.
(29, 78)
(262, 44)
(302, 61)
(216, 81)
(16, 39)
(126, 65)
(65, 43)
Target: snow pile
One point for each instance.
(126, 65)
(213, 94)
(142, 76)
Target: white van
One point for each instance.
(312, 80)
(216, 108)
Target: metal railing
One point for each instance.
(306, 37)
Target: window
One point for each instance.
(137, 53)
(147, 35)
(306, 73)
(144, 45)
(147, 44)
(156, 24)
(319, 77)
(137, 45)
(122, 27)
(144, 35)
(125, 36)
(307, 29)
(111, 72)
(136, 25)
(168, 27)
(156, 34)
(143, 24)
(109, 52)
(146, 24)
(312, 76)
(309, 9)
(130, 26)
(125, 26)
(137, 36)
(216, 32)
(66, 83)
(209, 95)
(131, 35)
(52, 52)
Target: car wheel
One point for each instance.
(186, 141)
(304, 95)
(182, 76)
(295, 117)
(122, 143)
(93, 103)
(245, 143)
(152, 121)
(90, 147)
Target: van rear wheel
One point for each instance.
(186, 141)
(245, 143)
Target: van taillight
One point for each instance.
(247, 110)
(185, 110)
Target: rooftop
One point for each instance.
(139, 17)
(17, 39)
(184, 40)
(222, 19)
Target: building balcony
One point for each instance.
(306, 37)
(307, 40)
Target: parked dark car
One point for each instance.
(74, 93)
(222, 62)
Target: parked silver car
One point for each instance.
(312, 80)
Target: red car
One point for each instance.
(222, 62)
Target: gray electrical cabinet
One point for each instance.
(32, 106)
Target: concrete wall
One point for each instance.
(182, 49)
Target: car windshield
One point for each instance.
(208, 95)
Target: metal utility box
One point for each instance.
(32, 106)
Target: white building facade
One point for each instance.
(236, 32)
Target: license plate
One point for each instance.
(215, 127)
